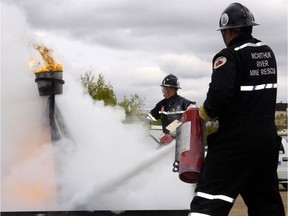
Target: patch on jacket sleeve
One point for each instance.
(220, 61)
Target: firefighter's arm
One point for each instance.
(206, 113)
(222, 86)
(149, 119)
(203, 114)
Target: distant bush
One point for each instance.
(100, 90)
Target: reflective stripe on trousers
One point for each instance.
(197, 214)
(211, 197)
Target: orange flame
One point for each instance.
(47, 57)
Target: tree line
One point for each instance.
(98, 89)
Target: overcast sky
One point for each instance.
(135, 43)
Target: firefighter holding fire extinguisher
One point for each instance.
(168, 109)
(242, 155)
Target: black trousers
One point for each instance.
(242, 158)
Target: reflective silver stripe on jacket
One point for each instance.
(150, 117)
(212, 197)
(197, 214)
(171, 113)
(259, 87)
(249, 45)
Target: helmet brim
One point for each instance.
(236, 26)
(170, 86)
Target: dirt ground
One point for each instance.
(239, 208)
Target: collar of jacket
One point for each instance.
(240, 39)
(172, 99)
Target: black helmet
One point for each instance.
(236, 16)
(171, 81)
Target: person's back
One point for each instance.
(256, 80)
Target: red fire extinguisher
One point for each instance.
(191, 148)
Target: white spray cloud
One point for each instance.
(104, 165)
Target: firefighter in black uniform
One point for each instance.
(170, 108)
(242, 155)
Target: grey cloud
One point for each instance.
(157, 28)
(127, 25)
(186, 66)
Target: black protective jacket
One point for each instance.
(244, 81)
(242, 94)
(169, 110)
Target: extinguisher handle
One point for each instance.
(175, 166)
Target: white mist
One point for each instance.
(104, 165)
